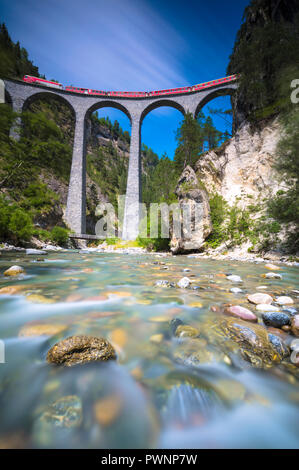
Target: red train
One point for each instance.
(41, 81)
(130, 94)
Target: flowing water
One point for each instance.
(148, 398)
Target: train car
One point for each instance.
(41, 81)
(96, 92)
(130, 94)
(74, 89)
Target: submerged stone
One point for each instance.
(186, 331)
(272, 276)
(272, 267)
(295, 325)
(241, 312)
(41, 330)
(279, 345)
(174, 324)
(193, 352)
(158, 338)
(64, 412)
(234, 278)
(236, 290)
(163, 283)
(267, 308)
(39, 299)
(107, 410)
(230, 390)
(14, 271)
(33, 251)
(284, 300)
(278, 320)
(80, 350)
(260, 298)
(184, 283)
(253, 341)
(11, 290)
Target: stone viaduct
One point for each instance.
(21, 94)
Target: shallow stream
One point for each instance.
(162, 391)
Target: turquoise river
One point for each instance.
(214, 390)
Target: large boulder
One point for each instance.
(191, 196)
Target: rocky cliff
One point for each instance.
(265, 51)
(240, 174)
(196, 225)
(242, 169)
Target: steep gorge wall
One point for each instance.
(242, 169)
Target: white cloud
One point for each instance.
(115, 44)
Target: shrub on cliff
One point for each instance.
(59, 235)
(15, 223)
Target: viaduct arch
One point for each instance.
(21, 94)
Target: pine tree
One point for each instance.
(189, 139)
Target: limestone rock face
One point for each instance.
(243, 168)
(195, 202)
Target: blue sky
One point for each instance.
(129, 45)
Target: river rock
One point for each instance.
(260, 298)
(14, 271)
(236, 290)
(193, 352)
(39, 299)
(295, 325)
(278, 332)
(279, 345)
(272, 267)
(295, 345)
(158, 338)
(241, 312)
(80, 350)
(295, 358)
(53, 248)
(267, 308)
(41, 330)
(184, 283)
(290, 310)
(33, 251)
(272, 276)
(277, 320)
(187, 331)
(162, 283)
(174, 324)
(11, 290)
(234, 278)
(108, 409)
(284, 300)
(252, 340)
(64, 412)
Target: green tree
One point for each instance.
(211, 135)
(190, 141)
(14, 61)
(284, 207)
